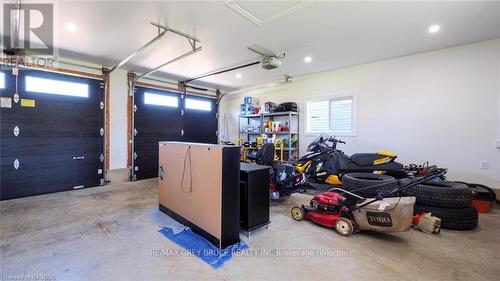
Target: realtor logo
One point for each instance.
(28, 29)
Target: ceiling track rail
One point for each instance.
(220, 72)
(287, 79)
(196, 50)
(264, 54)
(162, 31)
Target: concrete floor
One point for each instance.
(105, 233)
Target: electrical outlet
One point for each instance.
(484, 165)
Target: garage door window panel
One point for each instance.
(56, 87)
(197, 104)
(161, 100)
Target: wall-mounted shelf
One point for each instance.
(286, 113)
(250, 116)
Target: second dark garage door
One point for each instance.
(51, 137)
(165, 116)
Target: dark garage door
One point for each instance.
(164, 116)
(51, 138)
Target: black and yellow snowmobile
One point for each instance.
(324, 163)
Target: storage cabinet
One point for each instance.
(254, 196)
(199, 187)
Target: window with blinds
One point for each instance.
(318, 119)
(333, 115)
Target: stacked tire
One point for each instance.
(450, 201)
(368, 185)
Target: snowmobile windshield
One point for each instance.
(313, 145)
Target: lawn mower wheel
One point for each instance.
(298, 213)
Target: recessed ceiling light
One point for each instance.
(71, 27)
(238, 75)
(307, 59)
(434, 28)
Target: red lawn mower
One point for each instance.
(348, 212)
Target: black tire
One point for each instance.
(355, 181)
(447, 194)
(455, 219)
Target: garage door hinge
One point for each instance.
(135, 132)
(16, 97)
(182, 112)
(217, 115)
(101, 158)
(16, 131)
(135, 155)
(217, 133)
(135, 108)
(101, 105)
(182, 132)
(16, 164)
(101, 131)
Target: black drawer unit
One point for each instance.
(254, 196)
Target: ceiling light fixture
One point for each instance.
(434, 28)
(71, 27)
(238, 76)
(307, 59)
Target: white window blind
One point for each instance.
(2, 80)
(334, 115)
(341, 114)
(318, 116)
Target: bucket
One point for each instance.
(482, 206)
(387, 215)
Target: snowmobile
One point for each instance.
(324, 163)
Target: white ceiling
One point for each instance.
(335, 34)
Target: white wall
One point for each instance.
(118, 94)
(440, 106)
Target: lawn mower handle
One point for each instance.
(435, 174)
(343, 190)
